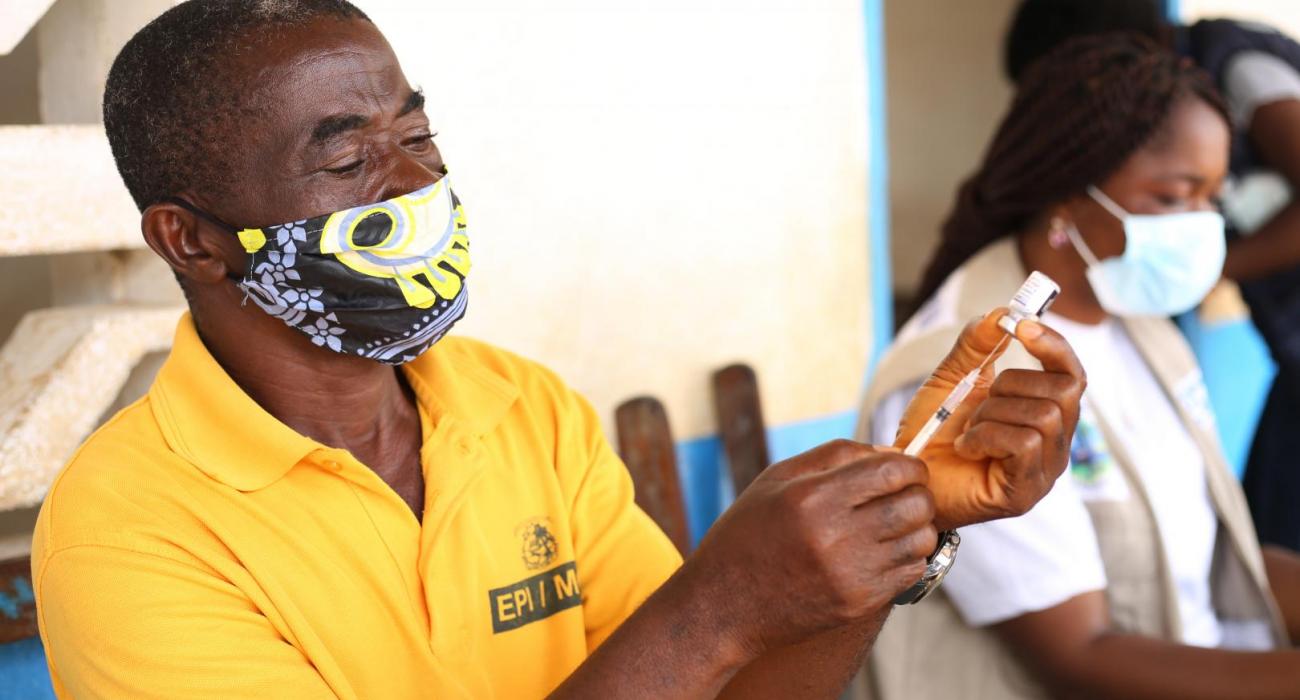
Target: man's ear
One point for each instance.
(192, 247)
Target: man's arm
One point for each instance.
(1075, 654)
(1275, 247)
(1018, 436)
(791, 586)
(818, 543)
(193, 635)
(1283, 567)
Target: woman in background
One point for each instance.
(1257, 69)
(1140, 574)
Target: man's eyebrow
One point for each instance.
(330, 127)
(414, 102)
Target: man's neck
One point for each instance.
(337, 400)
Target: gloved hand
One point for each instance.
(1006, 444)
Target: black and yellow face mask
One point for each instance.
(383, 281)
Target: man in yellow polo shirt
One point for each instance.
(322, 497)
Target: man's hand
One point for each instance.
(787, 589)
(818, 541)
(1006, 444)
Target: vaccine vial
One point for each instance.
(1032, 300)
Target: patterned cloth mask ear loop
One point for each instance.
(219, 223)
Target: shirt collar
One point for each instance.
(208, 419)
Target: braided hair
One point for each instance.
(1078, 115)
(1039, 26)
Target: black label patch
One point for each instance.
(534, 598)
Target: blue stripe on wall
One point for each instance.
(23, 675)
(881, 290)
(1238, 374)
(706, 480)
(1173, 10)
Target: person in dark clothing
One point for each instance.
(1258, 70)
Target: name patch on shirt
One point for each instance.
(534, 598)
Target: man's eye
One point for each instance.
(346, 168)
(419, 140)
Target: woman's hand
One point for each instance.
(1004, 447)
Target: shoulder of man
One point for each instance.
(471, 375)
(498, 389)
(122, 483)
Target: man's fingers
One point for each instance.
(1031, 383)
(916, 546)
(1043, 415)
(1015, 444)
(977, 340)
(897, 514)
(1050, 349)
(880, 474)
(824, 458)
(1065, 390)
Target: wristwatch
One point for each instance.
(937, 566)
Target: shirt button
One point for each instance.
(334, 465)
(466, 448)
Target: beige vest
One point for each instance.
(926, 651)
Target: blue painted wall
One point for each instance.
(882, 293)
(706, 479)
(23, 675)
(1238, 374)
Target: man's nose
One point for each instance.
(405, 174)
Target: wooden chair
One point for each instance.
(740, 423)
(646, 445)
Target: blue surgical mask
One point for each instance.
(1170, 261)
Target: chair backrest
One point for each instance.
(740, 423)
(646, 445)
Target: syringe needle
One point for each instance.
(996, 349)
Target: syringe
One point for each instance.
(950, 404)
(1033, 298)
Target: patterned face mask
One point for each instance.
(383, 281)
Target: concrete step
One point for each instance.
(59, 372)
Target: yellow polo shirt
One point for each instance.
(196, 547)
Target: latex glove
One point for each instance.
(1007, 443)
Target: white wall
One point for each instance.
(945, 95)
(655, 189)
(1282, 14)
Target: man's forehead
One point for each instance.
(325, 68)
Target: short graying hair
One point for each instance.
(172, 98)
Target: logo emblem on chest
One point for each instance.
(537, 545)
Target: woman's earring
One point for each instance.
(1056, 236)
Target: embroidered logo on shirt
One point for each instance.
(539, 545)
(534, 598)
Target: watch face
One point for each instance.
(939, 565)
